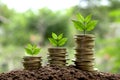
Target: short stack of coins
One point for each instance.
(57, 56)
(31, 63)
(85, 52)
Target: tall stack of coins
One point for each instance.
(31, 63)
(85, 52)
(57, 56)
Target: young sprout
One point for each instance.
(57, 40)
(32, 49)
(84, 24)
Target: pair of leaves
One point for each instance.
(84, 24)
(57, 40)
(32, 49)
(54, 36)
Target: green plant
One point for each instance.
(32, 49)
(84, 24)
(57, 40)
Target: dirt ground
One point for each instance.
(57, 73)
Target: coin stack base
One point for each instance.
(85, 52)
(31, 63)
(57, 56)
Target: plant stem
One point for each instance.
(84, 31)
(57, 43)
(84, 28)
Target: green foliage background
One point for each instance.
(19, 29)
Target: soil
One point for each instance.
(57, 73)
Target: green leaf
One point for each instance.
(53, 41)
(59, 41)
(29, 51)
(84, 24)
(62, 41)
(32, 49)
(91, 25)
(36, 51)
(54, 35)
(78, 25)
(29, 46)
(88, 18)
(80, 18)
(60, 36)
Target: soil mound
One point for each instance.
(57, 73)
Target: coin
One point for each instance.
(84, 50)
(29, 58)
(31, 63)
(60, 59)
(57, 50)
(85, 35)
(85, 59)
(58, 62)
(83, 53)
(80, 41)
(58, 53)
(84, 63)
(84, 56)
(86, 67)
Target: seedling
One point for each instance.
(57, 40)
(32, 49)
(84, 24)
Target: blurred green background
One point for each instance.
(17, 29)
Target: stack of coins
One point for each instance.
(57, 56)
(31, 63)
(85, 52)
